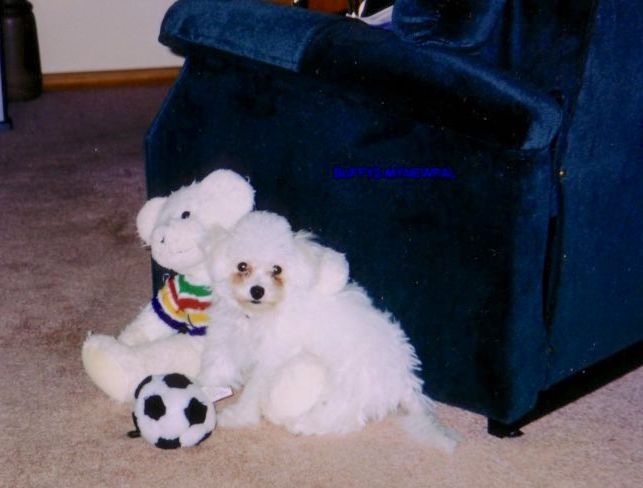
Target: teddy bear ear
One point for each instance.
(229, 194)
(148, 216)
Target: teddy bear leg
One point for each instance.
(295, 389)
(110, 366)
(117, 369)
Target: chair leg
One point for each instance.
(502, 430)
(571, 389)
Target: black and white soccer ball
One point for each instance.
(170, 411)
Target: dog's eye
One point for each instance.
(276, 270)
(242, 267)
(185, 214)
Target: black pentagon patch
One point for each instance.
(203, 438)
(176, 380)
(154, 407)
(168, 443)
(195, 412)
(141, 385)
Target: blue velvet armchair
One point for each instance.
(480, 164)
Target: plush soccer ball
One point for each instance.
(170, 411)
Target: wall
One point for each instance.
(100, 35)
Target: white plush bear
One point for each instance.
(167, 335)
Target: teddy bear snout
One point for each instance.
(179, 236)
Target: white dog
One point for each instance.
(312, 361)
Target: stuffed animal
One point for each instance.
(171, 411)
(167, 335)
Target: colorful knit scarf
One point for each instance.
(182, 305)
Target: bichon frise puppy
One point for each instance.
(313, 360)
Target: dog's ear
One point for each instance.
(329, 268)
(333, 272)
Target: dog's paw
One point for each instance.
(237, 416)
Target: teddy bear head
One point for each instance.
(178, 227)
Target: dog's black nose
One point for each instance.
(257, 292)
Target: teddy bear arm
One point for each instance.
(146, 327)
(179, 353)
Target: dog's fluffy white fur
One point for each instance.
(314, 362)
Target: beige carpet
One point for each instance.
(71, 183)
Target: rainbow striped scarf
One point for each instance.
(183, 306)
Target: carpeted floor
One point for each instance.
(71, 184)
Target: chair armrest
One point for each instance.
(256, 29)
(429, 83)
(436, 84)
